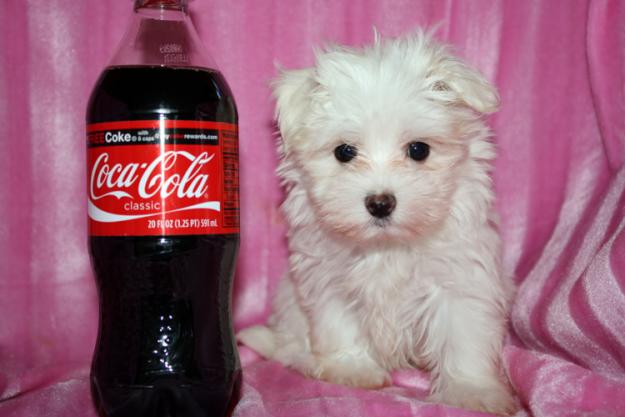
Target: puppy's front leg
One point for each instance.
(340, 349)
(464, 346)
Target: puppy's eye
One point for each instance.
(418, 151)
(345, 152)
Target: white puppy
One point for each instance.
(394, 256)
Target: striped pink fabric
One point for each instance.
(560, 182)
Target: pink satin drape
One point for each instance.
(560, 134)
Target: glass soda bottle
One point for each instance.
(163, 208)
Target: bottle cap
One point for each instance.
(162, 4)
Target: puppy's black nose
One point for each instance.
(381, 205)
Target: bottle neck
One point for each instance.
(161, 33)
(180, 5)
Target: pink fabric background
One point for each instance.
(560, 67)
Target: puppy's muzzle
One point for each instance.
(380, 205)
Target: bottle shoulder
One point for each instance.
(143, 92)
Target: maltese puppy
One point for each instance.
(394, 253)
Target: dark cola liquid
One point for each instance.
(165, 345)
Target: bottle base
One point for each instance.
(166, 399)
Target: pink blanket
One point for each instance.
(560, 67)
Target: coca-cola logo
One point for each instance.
(156, 178)
(162, 177)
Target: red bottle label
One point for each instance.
(162, 177)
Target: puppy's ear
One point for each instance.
(293, 91)
(459, 83)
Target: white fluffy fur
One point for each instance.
(423, 289)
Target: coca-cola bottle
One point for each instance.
(163, 204)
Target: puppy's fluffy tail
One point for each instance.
(259, 338)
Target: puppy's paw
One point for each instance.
(354, 371)
(259, 338)
(491, 397)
